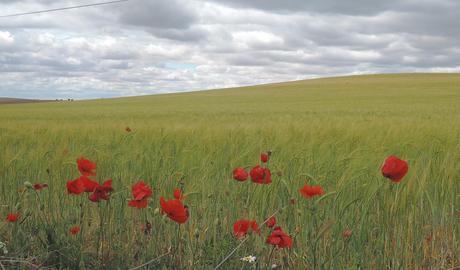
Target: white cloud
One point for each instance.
(256, 40)
(6, 38)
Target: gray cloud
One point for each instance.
(143, 47)
(161, 14)
(324, 6)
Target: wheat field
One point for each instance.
(333, 132)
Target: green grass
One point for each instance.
(335, 132)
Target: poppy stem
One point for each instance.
(270, 256)
(179, 253)
(80, 236)
(41, 207)
(100, 240)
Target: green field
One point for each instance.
(334, 132)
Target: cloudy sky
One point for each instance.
(158, 46)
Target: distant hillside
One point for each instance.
(19, 100)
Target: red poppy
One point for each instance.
(271, 222)
(239, 174)
(74, 230)
(311, 191)
(89, 184)
(86, 167)
(76, 186)
(102, 192)
(175, 210)
(39, 186)
(264, 157)
(243, 226)
(279, 238)
(394, 168)
(178, 194)
(260, 175)
(12, 217)
(128, 129)
(141, 192)
(139, 204)
(347, 233)
(429, 237)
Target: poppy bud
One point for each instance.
(347, 234)
(74, 230)
(264, 157)
(429, 237)
(271, 222)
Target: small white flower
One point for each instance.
(249, 259)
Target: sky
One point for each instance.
(145, 47)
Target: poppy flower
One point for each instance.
(139, 204)
(141, 192)
(76, 186)
(279, 238)
(74, 230)
(39, 186)
(175, 210)
(347, 233)
(260, 175)
(89, 184)
(264, 157)
(311, 191)
(429, 237)
(239, 174)
(86, 167)
(102, 192)
(243, 226)
(394, 168)
(178, 194)
(12, 217)
(271, 222)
